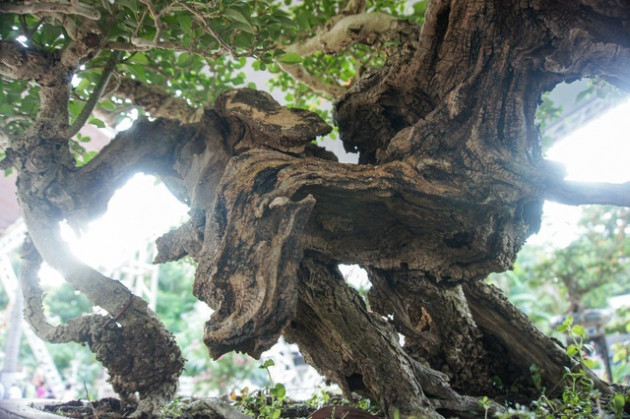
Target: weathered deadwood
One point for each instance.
(478, 74)
(521, 342)
(438, 328)
(267, 123)
(263, 205)
(360, 351)
(253, 301)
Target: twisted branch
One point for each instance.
(77, 330)
(364, 28)
(156, 101)
(64, 7)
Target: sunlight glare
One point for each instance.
(596, 152)
(139, 212)
(599, 151)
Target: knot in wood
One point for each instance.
(41, 158)
(268, 123)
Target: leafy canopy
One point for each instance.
(191, 50)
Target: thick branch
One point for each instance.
(581, 193)
(20, 63)
(147, 146)
(156, 101)
(360, 351)
(58, 6)
(364, 28)
(498, 318)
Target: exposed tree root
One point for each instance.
(151, 361)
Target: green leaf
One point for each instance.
(279, 391)
(420, 7)
(185, 60)
(48, 34)
(130, 4)
(96, 122)
(572, 350)
(185, 22)
(87, 156)
(302, 21)
(7, 25)
(618, 403)
(243, 27)
(268, 363)
(244, 39)
(579, 330)
(140, 58)
(290, 58)
(239, 17)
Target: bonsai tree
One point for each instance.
(439, 104)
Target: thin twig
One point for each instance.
(209, 29)
(156, 20)
(89, 400)
(96, 95)
(139, 44)
(300, 74)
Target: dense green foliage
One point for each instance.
(547, 282)
(193, 51)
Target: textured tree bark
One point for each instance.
(360, 351)
(449, 186)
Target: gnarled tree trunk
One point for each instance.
(449, 186)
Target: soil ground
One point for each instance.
(111, 408)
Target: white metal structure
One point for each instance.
(140, 275)
(11, 240)
(137, 273)
(290, 369)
